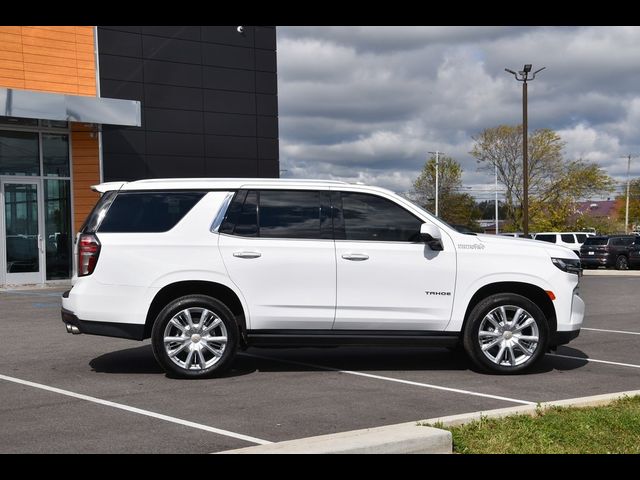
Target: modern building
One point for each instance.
(80, 105)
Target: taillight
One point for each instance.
(88, 252)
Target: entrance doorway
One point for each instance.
(21, 231)
(35, 202)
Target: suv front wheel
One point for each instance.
(194, 336)
(506, 333)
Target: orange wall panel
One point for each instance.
(86, 171)
(58, 59)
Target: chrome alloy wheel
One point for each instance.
(508, 335)
(195, 338)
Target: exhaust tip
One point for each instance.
(68, 327)
(75, 330)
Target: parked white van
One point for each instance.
(572, 240)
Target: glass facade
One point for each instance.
(36, 233)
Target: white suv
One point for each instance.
(205, 267)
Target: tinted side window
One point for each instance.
(581, 237)
(368, 217)
(289, 214)
(546, 238)
(567, 238)
(148, 211)
(626, 241)
(247, 223)
(98, 213)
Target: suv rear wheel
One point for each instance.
(506, 333)
(622, 263)
(195, 336)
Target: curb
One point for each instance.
(611, 273)
(400, 438)
(413, 437)
(580, 402)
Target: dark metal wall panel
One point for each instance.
(209, 98)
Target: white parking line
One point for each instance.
(610, 331)
(396, 380)
(139, 411)
(594, 360)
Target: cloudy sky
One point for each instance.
(368, 103)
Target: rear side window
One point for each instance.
(98, 213)
(371, 218)
(581, 237)
(279, 214)
(547, 238)
(567, 238)
(148, 212)
(596, 241)
(289, 214)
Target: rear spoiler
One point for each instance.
(105, 187)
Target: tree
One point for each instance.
(555, 185)
(488, 209)
(453, 207)
(634, 204)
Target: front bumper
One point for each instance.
(562, 338)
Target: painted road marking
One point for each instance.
(391, 379)
(139, 411)
(610, 331)
(594, 360)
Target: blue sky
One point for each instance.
(368, 103)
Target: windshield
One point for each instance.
(596, 241)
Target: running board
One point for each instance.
(310, 338)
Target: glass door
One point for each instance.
(21, 232)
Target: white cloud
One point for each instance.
(368, 103)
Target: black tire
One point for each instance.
(472, 344)
(622, 263)
(227, 326)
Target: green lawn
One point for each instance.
(614, 428)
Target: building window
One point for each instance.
(19, 153)
(55, 155)
(57, 222)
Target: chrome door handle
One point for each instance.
(247, 254)
(40, 244)
(356, 257)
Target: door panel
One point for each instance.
(386, 278)
(277, 249)
(398, 287)
(21, 236)
(288, 284)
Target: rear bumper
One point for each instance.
(596, 261)
(105, 329)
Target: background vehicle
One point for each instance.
(607, 251)
(517, 235)
(634, 254)
(572, 240)
(205, 267)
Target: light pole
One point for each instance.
(496, 167)
(437, 154)
(626, 214)
(523, 76)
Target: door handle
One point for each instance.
(247, 254)
(40, 245)
(356, 257)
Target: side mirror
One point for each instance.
(430, 234)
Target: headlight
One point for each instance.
(569, 265)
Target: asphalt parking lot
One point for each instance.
(65, 394)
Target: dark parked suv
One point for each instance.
(607, 251)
